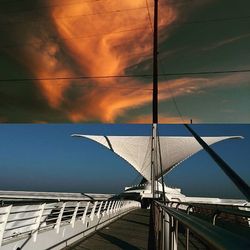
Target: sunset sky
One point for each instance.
(44, 40)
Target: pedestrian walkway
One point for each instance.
(129, 232)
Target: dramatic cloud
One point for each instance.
(107, 43)
(68, 38)
(131, 97)
(43, 62)
(99, 38)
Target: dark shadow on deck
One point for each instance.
(129, 232)
(118, 242)
(137, 222)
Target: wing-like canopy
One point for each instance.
(136, 150)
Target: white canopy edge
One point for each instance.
(136, 150)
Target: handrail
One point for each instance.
(220, 208)
(18, 221)
(245, 205)
(215, 236)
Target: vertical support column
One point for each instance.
(38, 222)
(4, 222)
(85, 213)
(155, 64)
(59, 218)
(73, 219)
(155, 97)
(93, 211)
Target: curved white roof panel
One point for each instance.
(136, 149)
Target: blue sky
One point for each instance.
(44, 157)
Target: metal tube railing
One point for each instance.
(19, 221)
(209, 235)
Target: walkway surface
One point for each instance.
(129, 232)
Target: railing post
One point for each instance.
(167, 230)
(38, 222)
(99, 210)
(73, 219)
(215, 217)
(173, 233)
(187, 229)
(162, 229)
(108, 209)
(4, 222)
(119, 205)
(176, 233)
(112, 207)
(85, 213)
(93, 211)
(59, 219)
(116, 206)
(187, 238)
(105, 206)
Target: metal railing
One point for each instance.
(23, 224)
(179, 225)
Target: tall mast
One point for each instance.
(155, 65)
(155, 100)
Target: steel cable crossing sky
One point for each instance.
(62, 59)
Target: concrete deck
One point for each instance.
(129, 232)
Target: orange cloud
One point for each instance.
(98, 38)
(41, 58)
(92, 38)
(101, 43)
(108, 44)
(106, 105)
(145, 119)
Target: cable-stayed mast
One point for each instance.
(155, 99)
(155, 65)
